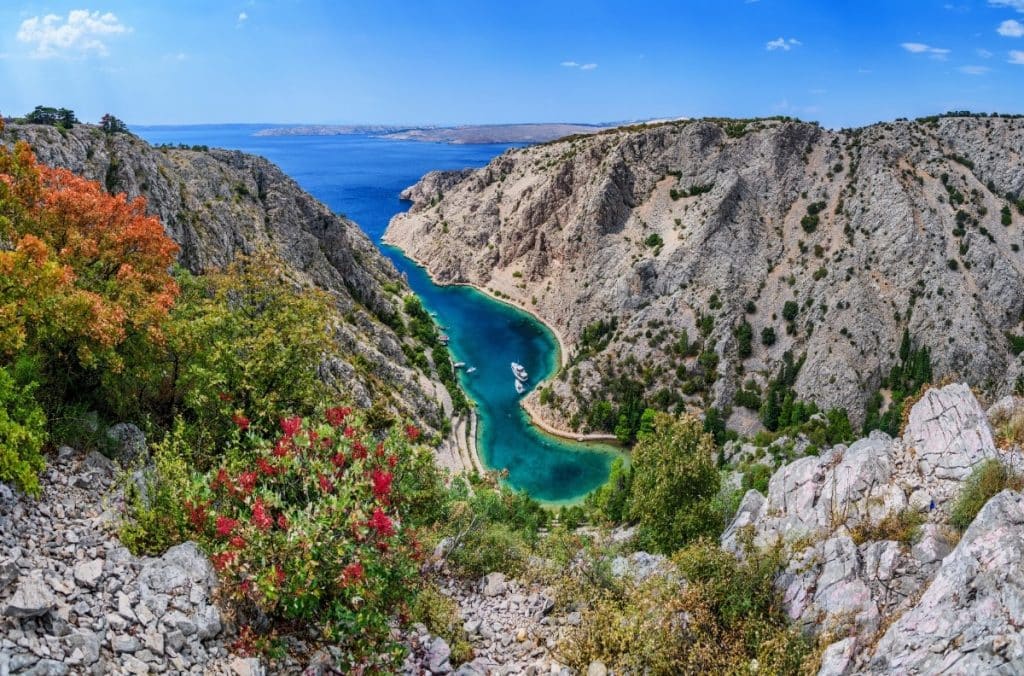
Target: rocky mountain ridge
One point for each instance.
(820, 243)
(217, 204)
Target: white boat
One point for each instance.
(471, 369)
(519, 371)
(459, 364)
(520, 388)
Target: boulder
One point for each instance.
(968, 618)
(32, 598)
(129, 444)
(494, 584)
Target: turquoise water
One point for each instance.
(361, 177)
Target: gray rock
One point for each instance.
(969, 616)
(438, 655)
(837, 660)
(597, 669)
(125, 643)
(129, 444)
(98, 463)
(31, 598)
(88, 643)
(89, 573)
(494, 584)
(8, 573)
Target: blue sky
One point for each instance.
(430, 61)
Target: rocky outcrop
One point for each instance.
(74, 600)
(657, 226)
(217, 204)
(850, 574)
(968, 619)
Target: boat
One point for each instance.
(520, 388)
(459, 364)
(471, 369)
(519, 371)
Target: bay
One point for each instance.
(361, 176)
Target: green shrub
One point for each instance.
(653, 240)
(314, 527)
(608, 504)
(757, 477)
(789, 310)
(22, 432)
(440, 615)
(768, 336)
(675, 481)
(987, 479)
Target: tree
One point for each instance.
(905, 345)
(789, 310)
(52, 116)
(744, 340)
(111, 125)
(767, 336)
(675, 482)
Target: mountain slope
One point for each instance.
(866, 232)
(217, 204)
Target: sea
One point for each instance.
(361, 177)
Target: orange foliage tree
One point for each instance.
(82, 272)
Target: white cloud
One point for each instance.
(1012, 4)
(80, 34)
(588, 66)
(570, 64)
(974, 70)
(1016, 57)
(921, 48)
(178, 56)
(984, 53)
(783, 44)
(1011, 28)
(581, 66)
(242, 17)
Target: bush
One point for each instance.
(901, 526)
(315, 527)
(768, 336)
(22, 433)
(608, 504)
(757, 477)
(675, 482)
(440, 615)
(727, 615)
(987, 479)
(789, 310)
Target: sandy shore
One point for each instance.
(563, 358)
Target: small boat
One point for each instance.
(459, 364)
(520, 388)
(519, 371)
(471, 369)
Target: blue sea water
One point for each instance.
(361, 177)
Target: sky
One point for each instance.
(840, 62)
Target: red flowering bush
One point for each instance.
(318, 525)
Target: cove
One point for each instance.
(362, 176)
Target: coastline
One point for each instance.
(562, 357)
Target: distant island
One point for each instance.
(464, 134)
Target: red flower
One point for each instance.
(225, 526)
(358, 451)
(238, 542)
(352, 573)
(196, 514)
(221, 479)
(326, 442)
(283, 446)
(326, 485)
(380, 450)
(279, 576)
(245, 586)
(336, 416)
(241, 421)
(392, 461)
(224, 396)
(291, 426)
(266, 467)
(412, 432)
(247, 481)
(381, 523)
(381, 483)
(260, 517)
(349, 432)
(223, 560)
(338, 460)
(282, 522)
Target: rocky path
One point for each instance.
(74, 600)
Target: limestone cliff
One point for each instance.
(865, 232)
(217, 203)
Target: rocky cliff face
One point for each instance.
(932, 602)
(217, 204)
(866, 232)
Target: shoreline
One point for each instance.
(561, 357)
